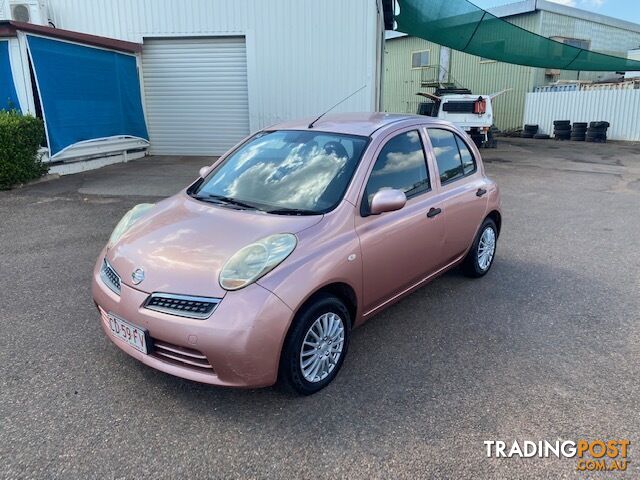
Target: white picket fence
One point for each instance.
(621, 108)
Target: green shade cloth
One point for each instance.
(461, 25)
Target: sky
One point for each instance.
(625, 9)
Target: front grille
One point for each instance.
(110, 277)
(182, 305)
(181, 356)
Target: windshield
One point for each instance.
(286, 172)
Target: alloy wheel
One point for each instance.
(322, 347)
(486, 248)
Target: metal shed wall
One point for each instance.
(490, 77)
(402, 82)
(302, 55)
(609, 39)
(618, 107)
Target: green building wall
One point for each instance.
(401, 82)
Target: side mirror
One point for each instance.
(204, 170)
(387, 201)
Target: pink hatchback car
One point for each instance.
(259, 271)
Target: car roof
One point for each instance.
(363, 124)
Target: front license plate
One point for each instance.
(134, 336)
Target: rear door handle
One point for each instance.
(481, 192)
(433, 212)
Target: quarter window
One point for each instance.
(454, 158)
(468, 163)
(401, 165)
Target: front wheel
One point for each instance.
(316, 346)
(480, 258)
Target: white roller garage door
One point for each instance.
(195, 94)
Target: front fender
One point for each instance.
(319, 260)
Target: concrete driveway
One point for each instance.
(546, 347)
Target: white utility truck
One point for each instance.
(472, 113)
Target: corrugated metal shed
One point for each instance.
(490, 76)
(618, 107)
(482, 77)
(549, 19)
(401, 82)
(610, 39)
(302, 56)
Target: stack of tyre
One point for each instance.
(579, 131)
(597, 132)
(529, 131)
(562, 129)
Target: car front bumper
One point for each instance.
(241, 340)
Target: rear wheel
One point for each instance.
(480, 258)
(315, 348)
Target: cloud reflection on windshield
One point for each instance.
(297, 182)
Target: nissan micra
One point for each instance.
(258, 271)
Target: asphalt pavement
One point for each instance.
(545, 347)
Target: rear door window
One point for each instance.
(453, 157)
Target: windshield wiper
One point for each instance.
(292, 211)
(221, 199)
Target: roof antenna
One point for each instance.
(340, 102)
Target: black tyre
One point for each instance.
(541, 136)
(483, 251)
(596, 135)
(531, 128)
(559, 123)
(578, 138)
(316, 345)
(562, 128)
(478, 140)
(604, 125)
(580, 125)
(491, 142)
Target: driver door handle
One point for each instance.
(481, 192)
(433, 212)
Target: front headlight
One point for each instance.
(127, 221)
(256, 260)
